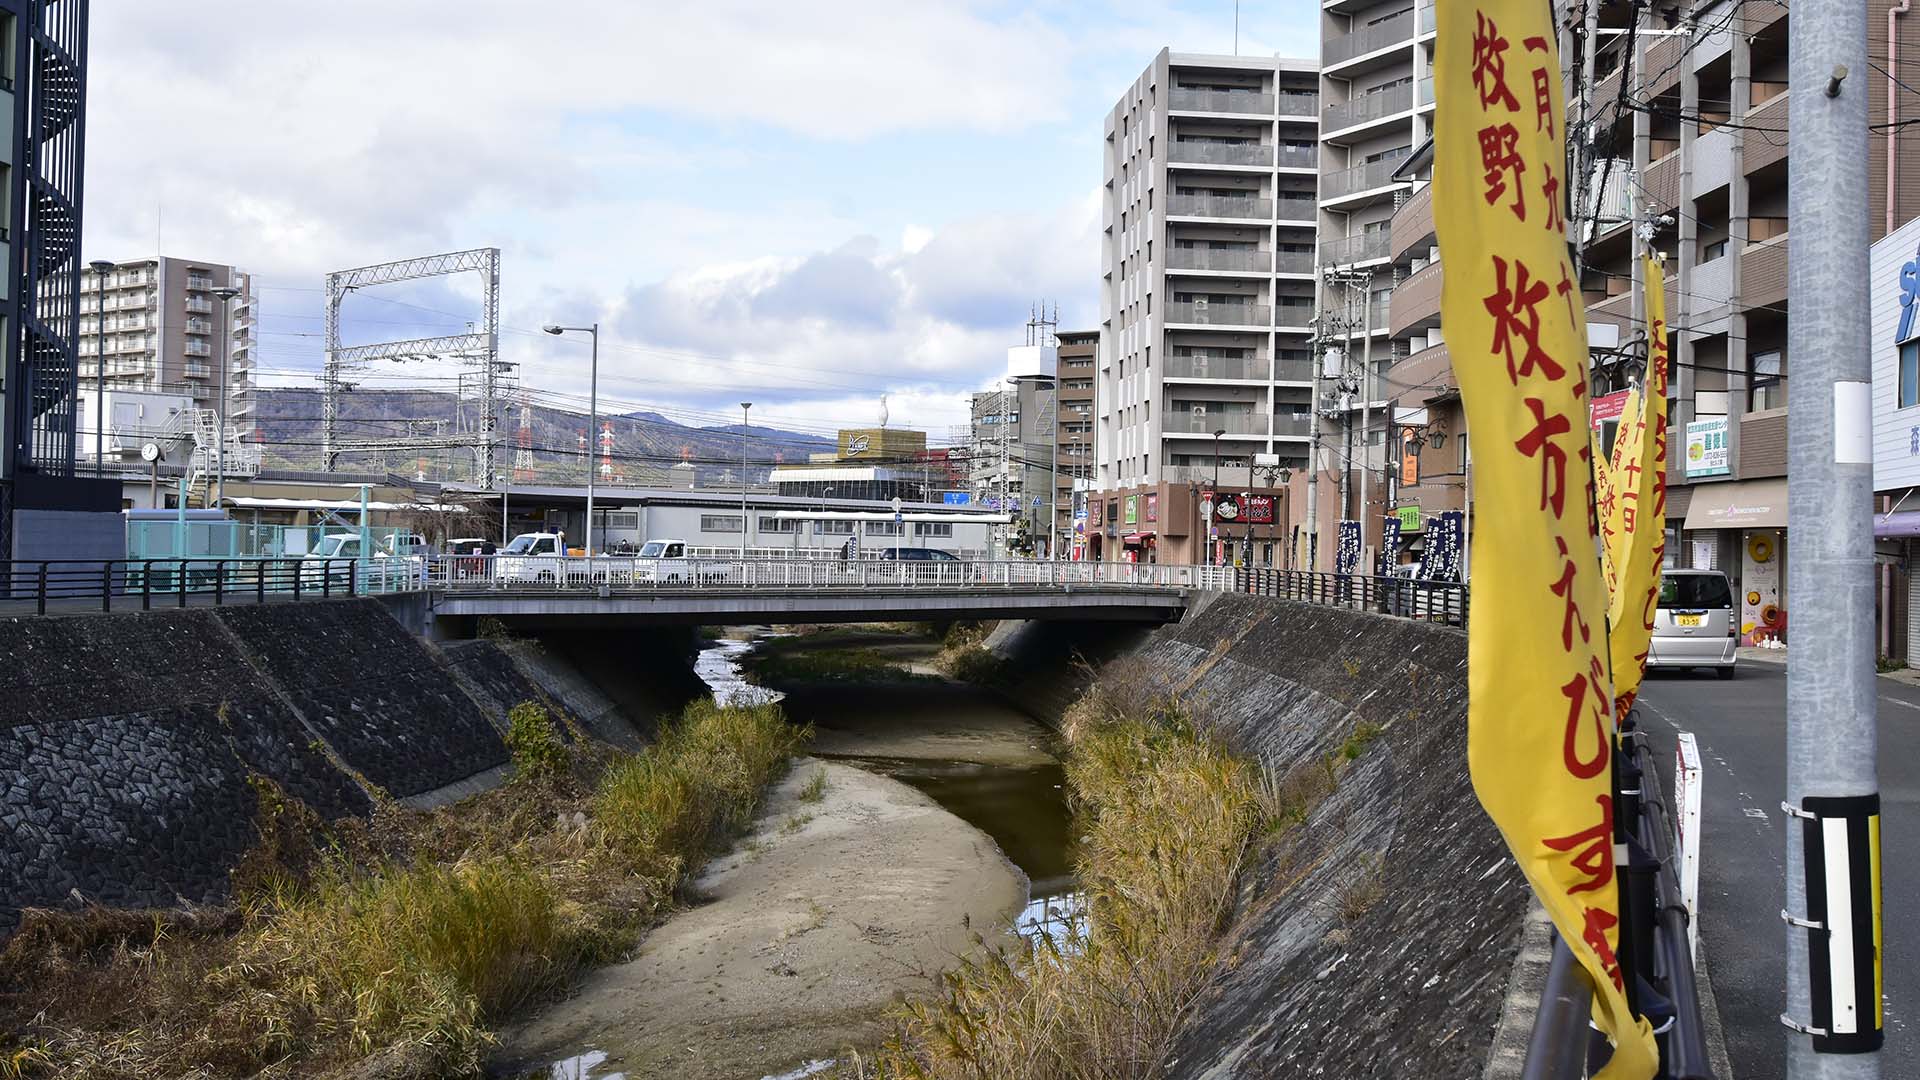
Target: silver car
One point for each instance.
(1695, 624)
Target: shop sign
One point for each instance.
(1259, 509)
(1707, 447)
(1133, 509)
(1409, 518)
(1226, 507)
(1153, 507)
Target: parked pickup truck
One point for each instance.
(393, 561)
(666, 562)
(535, 556)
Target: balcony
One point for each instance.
(1300, 424)
(1298, 104)
(1371, 176)
(1367, 247)
(1763, 274)
(1415, 303)
(1217, 367)
(1296, 208)
(1765, 146)
(199, 284)
(197, 348)
(1424, 97)
(1195, 152)
(1233, 423)
(1412, 228)
(1229, 260)
(199, 326)
(1220, 206)
(1366, 108)
(200, 305)
(196, 371)
(1187, 312)
(1299, 157)
(1343, 47)
(1294, 262)
(1221, 101)
(1293, 371)
(1424, 21)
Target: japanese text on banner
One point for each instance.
(1540, 719)
(1632, 506)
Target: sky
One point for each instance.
(806, 205)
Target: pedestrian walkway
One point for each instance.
(1758, 655)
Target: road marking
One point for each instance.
(1902, 704)
(1756, 813)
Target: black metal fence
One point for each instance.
(111, 584)
(1655, 947)
(1408, 598)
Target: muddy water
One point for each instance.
(933, 788)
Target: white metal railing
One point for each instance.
(628, 574)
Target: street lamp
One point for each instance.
(593, 410)
(745, 406)
(1215, 497)
(226, 293)
(101, 268)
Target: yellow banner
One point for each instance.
(1632, 505)
(1540, 719)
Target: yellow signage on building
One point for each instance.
(1540, 719)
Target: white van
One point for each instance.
(1695, 624)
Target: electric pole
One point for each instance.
(1833, 951)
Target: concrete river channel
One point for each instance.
(927, 818)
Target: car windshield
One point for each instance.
(1695, 591)
(334, 547)
(522, 544)
(653, 549)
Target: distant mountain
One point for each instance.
(646, 445)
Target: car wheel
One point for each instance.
(1725, 672)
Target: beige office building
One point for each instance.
(158, 326)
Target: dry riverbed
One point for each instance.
(832, 909)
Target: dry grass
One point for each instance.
(389, 947)
(1167, 816)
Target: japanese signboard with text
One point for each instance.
(1707, 447)
(1540, 727)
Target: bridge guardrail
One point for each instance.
(560, 573)
(76, 584)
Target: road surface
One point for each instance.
(1741, 728)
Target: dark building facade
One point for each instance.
(43, 50)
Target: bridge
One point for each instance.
(556, 591)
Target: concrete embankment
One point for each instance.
(127, 740)
(1376, 938)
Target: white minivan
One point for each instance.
(1695, 624)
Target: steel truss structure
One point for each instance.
(50, 109)
(480, 390)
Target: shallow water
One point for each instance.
(978, 758)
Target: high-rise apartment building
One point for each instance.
(1208, 293)
(1079, 352)
(1376, 90)
(161, 325)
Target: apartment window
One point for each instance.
(883, 528)
(1764, 388)
(833, 528)
(721, 523)
(1909, 373)
(1713, 251)
(933, 528)
(778, 525)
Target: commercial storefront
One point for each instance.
(1740, 527)
(1893, 282)
(1167, 523)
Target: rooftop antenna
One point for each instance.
(1236, 27)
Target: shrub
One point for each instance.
(538, 751)
(972, 663)
(661, 811)
(421, 955)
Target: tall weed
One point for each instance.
(1166, 816)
